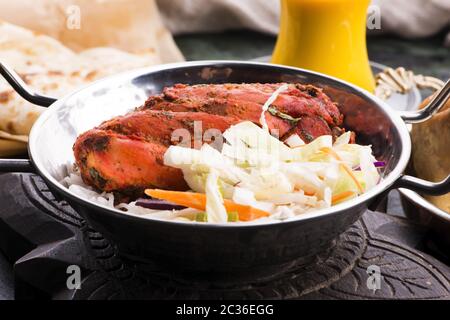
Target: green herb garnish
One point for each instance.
(276, 113)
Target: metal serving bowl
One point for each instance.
(422, 211)
(425, 213)
(217, 249)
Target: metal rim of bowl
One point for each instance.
(420, 201)
(410, 195)
(385, 184)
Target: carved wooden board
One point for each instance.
(44, 236)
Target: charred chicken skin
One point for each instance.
(125, 155)
(317, 115)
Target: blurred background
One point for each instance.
(411, 33)
(59, 45)
(414, 33)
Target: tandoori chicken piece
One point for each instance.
(316, 114)
(125, 155)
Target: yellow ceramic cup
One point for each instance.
(327, 36)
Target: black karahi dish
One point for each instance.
(228, 250)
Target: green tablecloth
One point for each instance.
(426, 56)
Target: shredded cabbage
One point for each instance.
(215, 210)
(268, 103)
(258, 170)
(294, 141)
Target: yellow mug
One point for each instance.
(327, 36)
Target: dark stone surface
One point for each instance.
(426, 56)
(45, 236)
(6, 279)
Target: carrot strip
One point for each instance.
(198, 201)
(341, 196)
(331, 152)
(187, 199)
(246, 213)
(343, 166)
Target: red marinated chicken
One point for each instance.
(125, 155)
(317, 114)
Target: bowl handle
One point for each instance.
(423, 186)
(16, 165)
(22, 89)
(431, 109)
(21, 165)
(416, 185)
(413, 183)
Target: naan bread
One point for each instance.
(29, 54)
(51, 69)
(431, 156)
(131, 25)
(108, 61)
